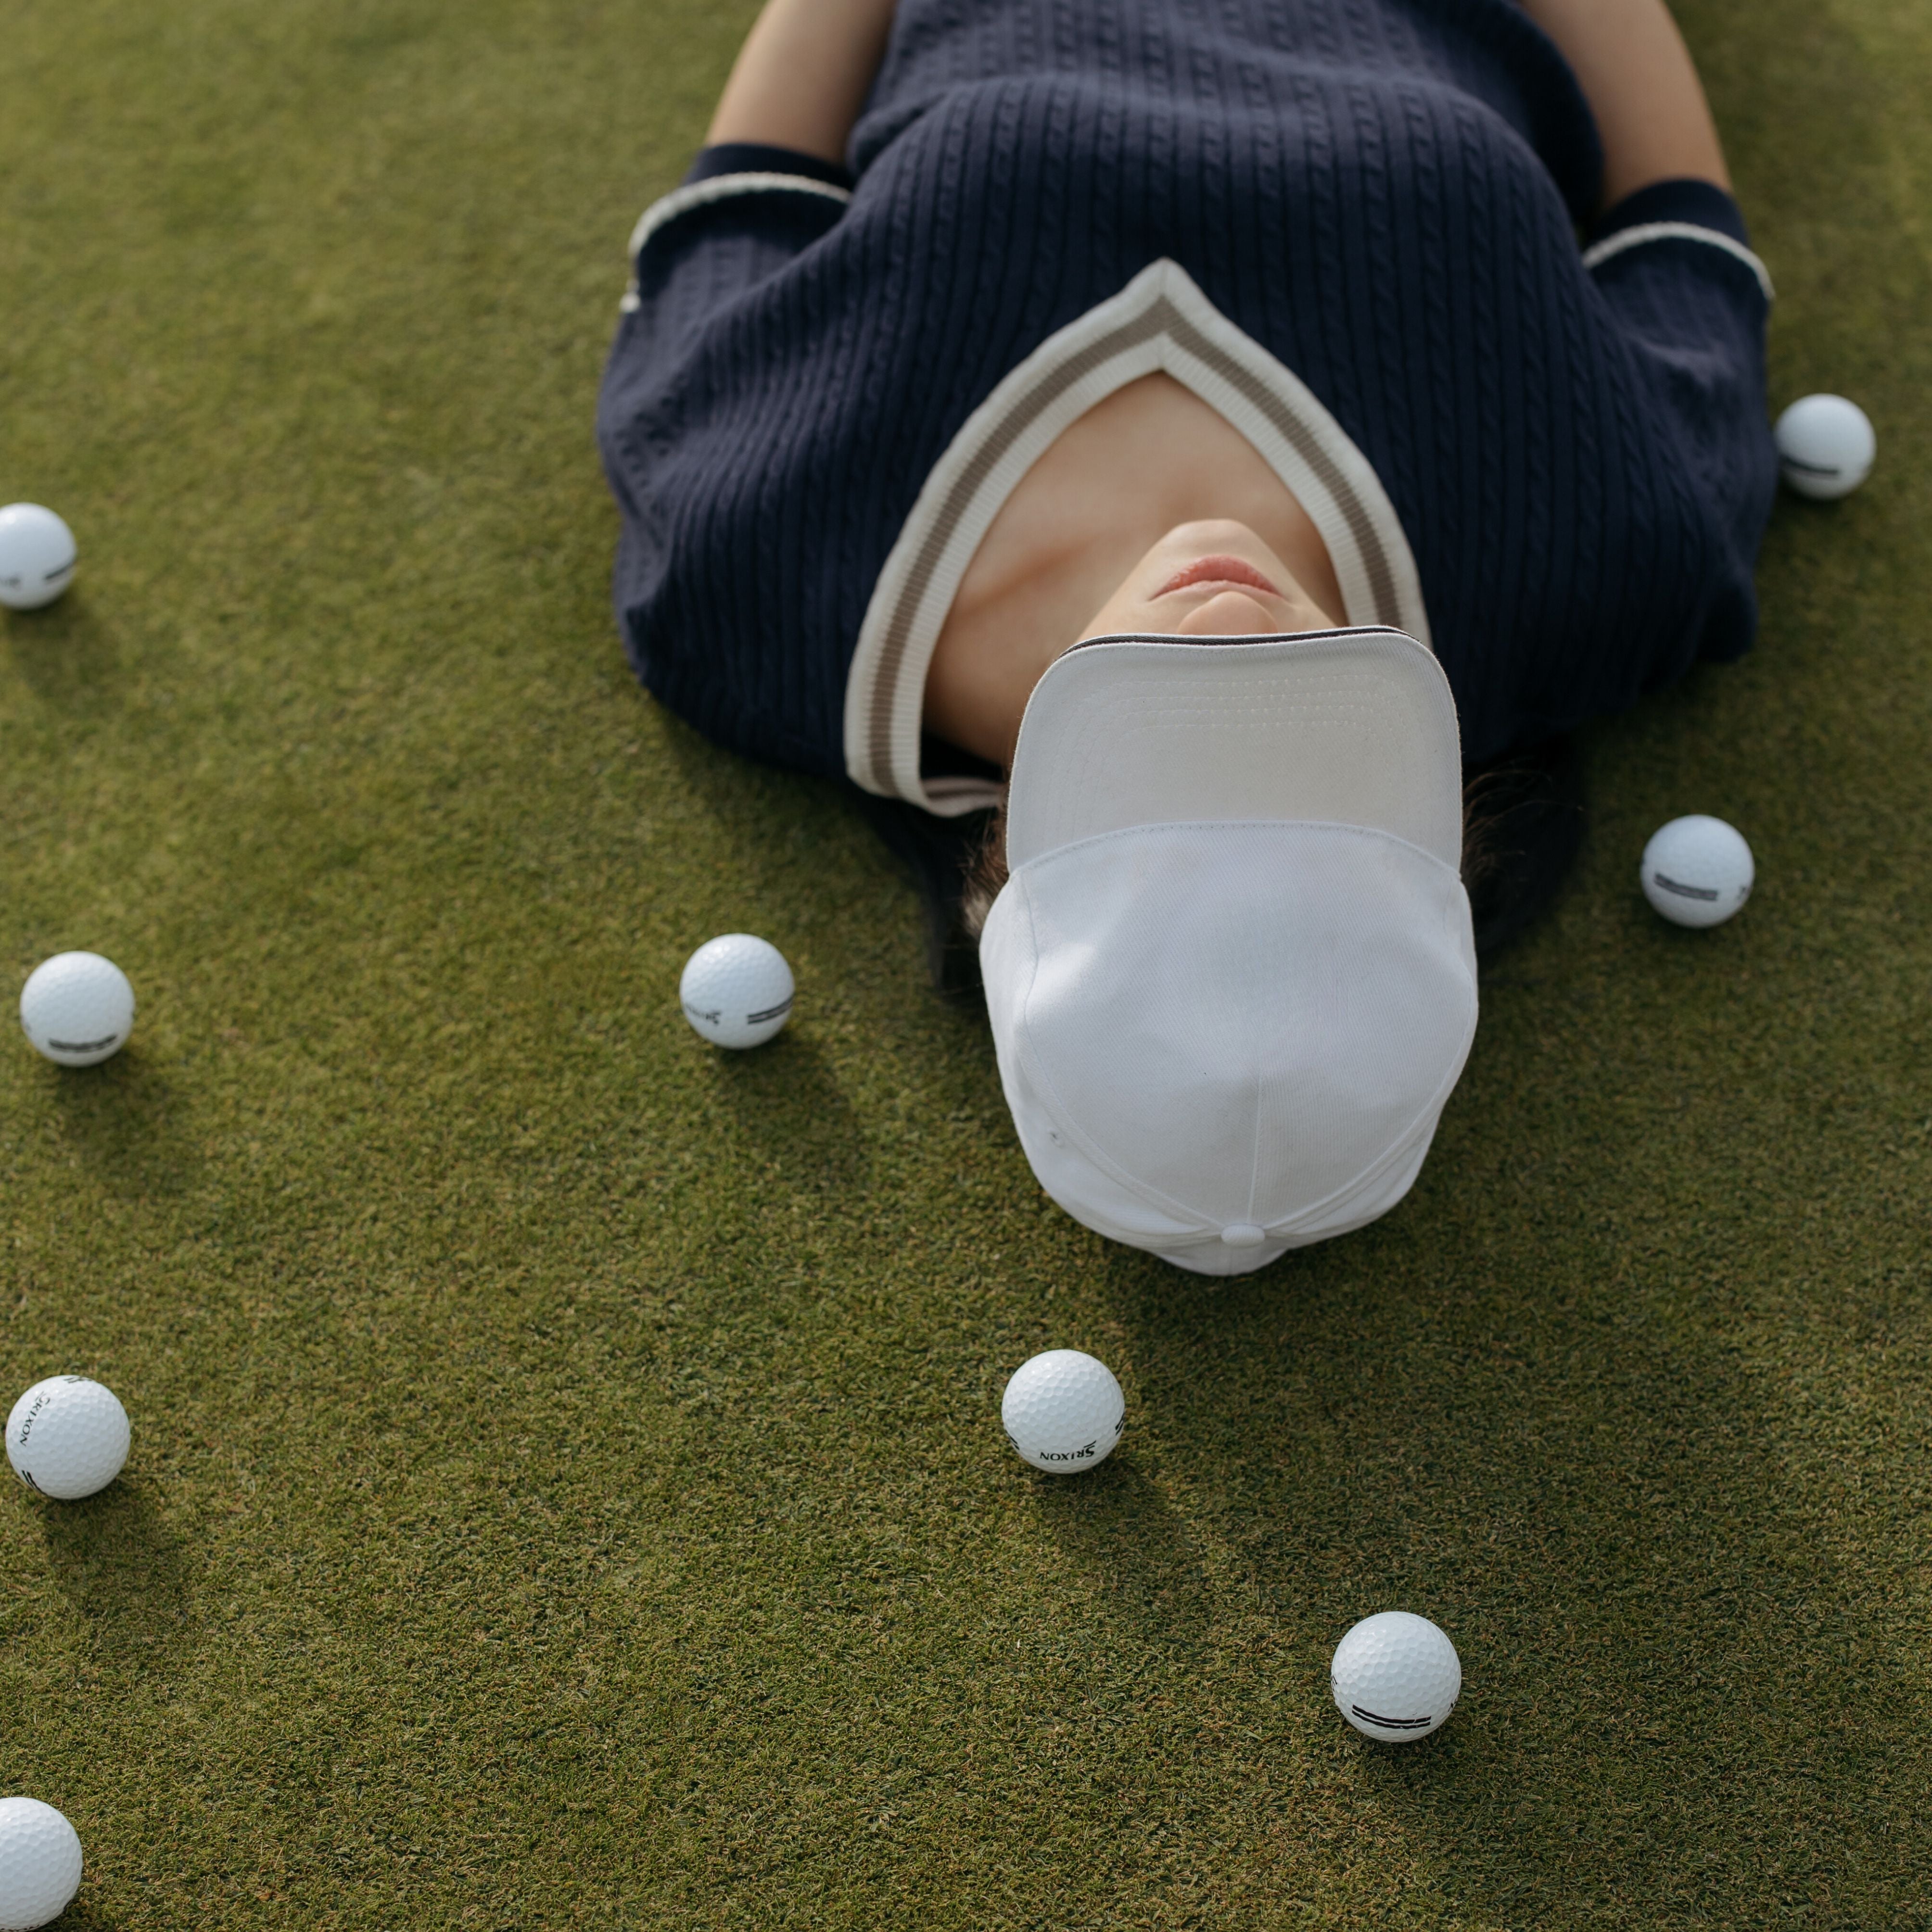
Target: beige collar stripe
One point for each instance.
(1161, 321)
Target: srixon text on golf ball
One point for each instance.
(67, 1437)
(1395, 1677)
(1826, 446)
(737, 990)
(1697, 871)
(36, 557)
(1063, 1411)
(77, 1008)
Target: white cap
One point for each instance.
(1231, 974)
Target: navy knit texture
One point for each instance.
(1386, 194)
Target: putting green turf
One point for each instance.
(567, 1486)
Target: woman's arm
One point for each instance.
(803, 74)
(1637, 75)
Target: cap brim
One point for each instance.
(1353, 726)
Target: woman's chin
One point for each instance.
(1230, 613)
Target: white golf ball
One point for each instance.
(1063, 1411)
(737, 990)
(1825, 446)
(1395, 1677)
(36, 557)
(77, 1008)
(67, 1437)
(1697, 871)
(40, 1864)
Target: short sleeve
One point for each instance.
(1673, 264)
(760, 157)
(699, 424)
(742, 214)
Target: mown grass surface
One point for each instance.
(566, 1488)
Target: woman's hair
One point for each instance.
(1522, 821)
(985, 874)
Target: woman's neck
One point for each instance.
(1150, 456)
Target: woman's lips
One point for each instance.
(1217, 570)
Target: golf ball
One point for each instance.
(36, 557)
(1395, 1677)
(736, 990)
(40, 1864)
(1697, 871)
(67, 1437)
(77, 1008)
(1825, 446)
(1062, 1411)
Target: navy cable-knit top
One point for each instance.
(1351, 225)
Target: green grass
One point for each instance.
(566, 1488)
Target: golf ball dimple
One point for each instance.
(1063, 1411)
(40, 1864)
(38, 554)
(1826, 446)
(1395, 1677)
(77, 1008)
(1697, 871)
(737, 990)
(67, 1437)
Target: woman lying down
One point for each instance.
(1199, 437)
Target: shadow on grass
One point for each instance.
(1670, 1707)
(118, 1564)
(1115, 1521)
(792, 1115)
(66, 656)
(128, 1122)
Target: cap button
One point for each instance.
(1242, 1234)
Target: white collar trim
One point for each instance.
(1160, 321)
